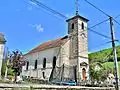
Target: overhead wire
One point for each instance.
(104, 21)
(48, 8)
(99, 33)
(116, 21)
(99, 23)
(96, 46)
(117, 16)
(43, 6)
(97, 8)
(63, 16)
(55, 12)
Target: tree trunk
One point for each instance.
(15, 77)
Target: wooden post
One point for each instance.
(114, 53)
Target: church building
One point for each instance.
(63, 59)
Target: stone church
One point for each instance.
(63, 59)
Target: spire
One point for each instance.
(76, 7)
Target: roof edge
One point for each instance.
(77, 16)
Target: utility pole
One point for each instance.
(114, 53)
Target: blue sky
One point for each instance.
(26, 26)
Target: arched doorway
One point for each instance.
(83, 74)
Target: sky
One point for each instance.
(26, 25)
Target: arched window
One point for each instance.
(44, 63)
(54, 62)
(35, 64)
(43, 73)
(72, 26)
(27, 65)
(82, 25)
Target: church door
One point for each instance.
(83, 74)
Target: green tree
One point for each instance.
(3, 68)
(17, 63)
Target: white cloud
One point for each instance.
(38, 27)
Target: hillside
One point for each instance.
(104, 55)
(105, 59)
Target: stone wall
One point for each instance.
(49, 87)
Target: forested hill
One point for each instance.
(104, 55)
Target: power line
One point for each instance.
(61, 15)
(99, 33)
(48, 9)
(98, 23)
(43, 8)
(96, 46)
(116, 21)
(117, 16)
(104, 21)
(97, 8)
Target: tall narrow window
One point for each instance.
(82, 25)
(72, 25)
(43, 73)
(54, 62)
(35, 64)
(44, 63)
(27, 65)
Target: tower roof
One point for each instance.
(2, 39)
(77, 16)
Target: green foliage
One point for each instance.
(101, 56)
(106, 60)
(110, 66)
(10, 70)
(98, 75)
(3, 68)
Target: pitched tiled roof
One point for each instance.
(49, 44)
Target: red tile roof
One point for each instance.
(50, 44)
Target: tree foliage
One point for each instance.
(16, 63)
(104, 55)
(105, 58)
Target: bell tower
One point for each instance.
(78, 53)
